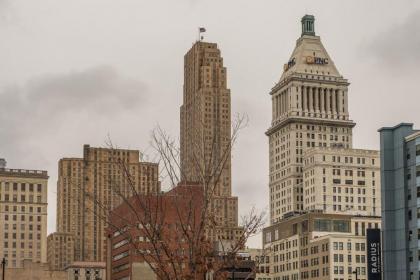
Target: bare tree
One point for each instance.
(170, 231)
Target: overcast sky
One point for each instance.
(74, 71)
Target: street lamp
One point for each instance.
(355, 272)
(3, 264)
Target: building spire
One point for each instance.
(308, 25)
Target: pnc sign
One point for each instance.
(289, 64)
(316, 60)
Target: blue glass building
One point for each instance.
(400, 189)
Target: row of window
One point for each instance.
(340, 246)
(23, 198)
(358, 270)
(340, 258)
(23, 216)
(6, 186)
(13, 244)
(349, 190)
(14, 235)
(120, 256)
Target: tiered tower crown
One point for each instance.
(310, 57)
(308, 25)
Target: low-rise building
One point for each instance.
(33, 271)
(60, 250)
(319, 246)
(261, 259)
(86, 271)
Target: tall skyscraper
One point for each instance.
(324, 194)
(87, 184)
(309, 109)
(400, 172)
(23, 216)
(206, 131)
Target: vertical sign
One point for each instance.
(374, 261)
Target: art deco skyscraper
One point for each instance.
(206, 127)
(87, 184)
(309, 109)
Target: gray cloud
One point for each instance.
(97, 90)
(7, 13)
(399, 45)
(51, 102)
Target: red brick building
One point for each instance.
(153, 229)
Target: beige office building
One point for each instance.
(97, 181)
(206, 132)
(319, 246)
(324, 194)
(337, 180)
(60, 250)
(23, 216)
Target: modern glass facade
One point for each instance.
(400, 188)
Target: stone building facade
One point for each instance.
(86, 271)
(23, 216)
(206, 133)
(98, 181)
(319, 246)
(34, 271)
(60, 250)
(339, 180)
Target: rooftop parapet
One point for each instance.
(24, 173)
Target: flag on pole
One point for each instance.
(202, 29)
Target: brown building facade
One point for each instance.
(131, 230)
(89, 187)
